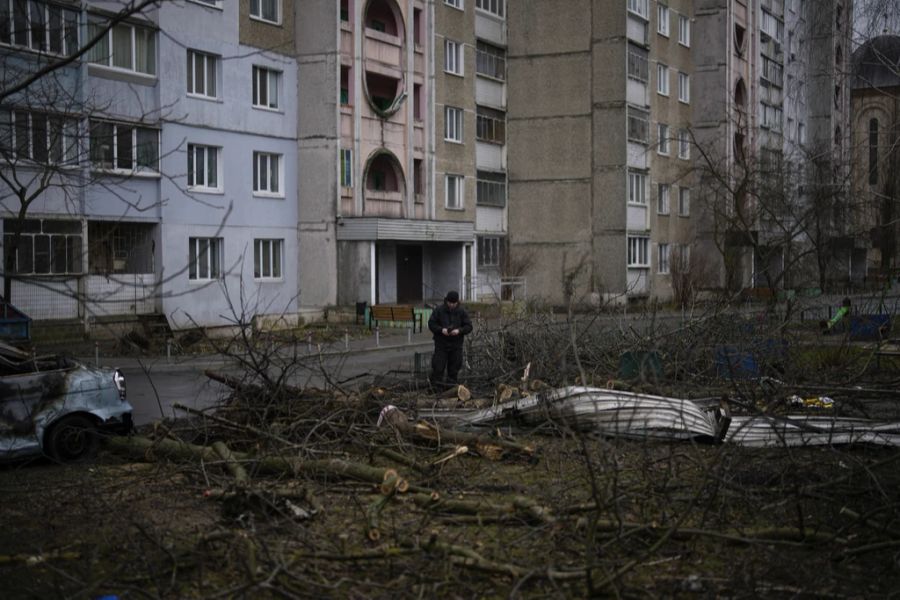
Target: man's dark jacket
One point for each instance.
(443, 317)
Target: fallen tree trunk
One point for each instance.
(486, 445)
(145, 449)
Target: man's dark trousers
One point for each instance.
(449, 358)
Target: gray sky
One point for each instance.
(874, 17)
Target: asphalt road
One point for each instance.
(153, 391)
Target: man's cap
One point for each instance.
(452, 297)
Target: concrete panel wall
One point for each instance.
(354, 272)
(552, 148)
(550, 85)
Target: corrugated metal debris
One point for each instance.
(626, 414)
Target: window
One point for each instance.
(638, 63)
(453, 124)
(663, 131)
(772, 26)
(638, 251)
(740, 36)
(770, 116)
(637, 188)
(662, 259)
(265, 87)
(490, 188)
(490, 125)
(266, 10)
(873, 151)
(39, 26)
(638, 125)
(454, 193)
(662, 20)
(204, 258)
(490, 251)
(662, 79)
(684, 144)
(124, 147)
(203, 167)
(346, 167)
(684, 88)
(124, 46)
(662, 199)
(490, 60)
(266, 173)
(267, 258)
(453, 57)
(772, 71)
(42, 137)
(491, 6)
(454, 3)
(684, 30)
(639, 7)
(214, 3)
(684, 202)
(45, 247)
(201, 74)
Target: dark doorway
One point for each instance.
(409, 274)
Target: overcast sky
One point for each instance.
(874, 17)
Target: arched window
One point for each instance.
(873, 151)
(740, 94)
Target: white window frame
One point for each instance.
(494, 7)
(268, 259)
(61, 141)
(453, 57)
(684, 145)
(640, 8)
(638, 251)
(662, 198)
(210, 72)
(457, 4)
(264, 79)
(205, 152)
(209, 3)
(135, 168)
(684, 31)
(662, 131)
(45, 246)
(662, 20)
(103, 53)
(684, 202)
(684, 88)
(453, 124)
(662, 79)
(346, 170)
(67, 32)
(206, 250)
(455, 198)
(258, 16)
(263, 165)
(637, 188)
(662, 259)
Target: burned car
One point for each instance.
(57, 406)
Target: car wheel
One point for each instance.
(72, 438)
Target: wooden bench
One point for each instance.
(401, 313)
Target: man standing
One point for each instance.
(449, 322)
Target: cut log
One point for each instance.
(460, 392)
(241, 478)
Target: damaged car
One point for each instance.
(57, 406)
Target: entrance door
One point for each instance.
(409, 274)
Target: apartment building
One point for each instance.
(380, 221)
(158, 162)
(772, 123)
(600, 111)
